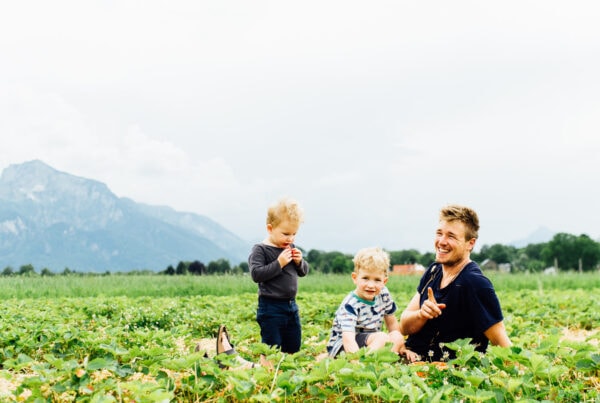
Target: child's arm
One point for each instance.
(349, 342)
(391, 323)
(261, 269)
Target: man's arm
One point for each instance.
(496, 334)
(416, 315)
(411, 320)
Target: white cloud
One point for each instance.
(372, 116)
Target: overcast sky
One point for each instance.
(373, 115)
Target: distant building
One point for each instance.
(504, 267)
(489, 264)
(407, 269)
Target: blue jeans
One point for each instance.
(279, 322)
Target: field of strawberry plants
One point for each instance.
(133, 339)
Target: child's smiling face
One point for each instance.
(369, 283)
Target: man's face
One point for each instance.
(451, 247)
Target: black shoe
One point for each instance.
(220, 349)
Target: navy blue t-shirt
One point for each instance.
(472, 307)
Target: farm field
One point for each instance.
(121, 338)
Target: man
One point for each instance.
(454, 300)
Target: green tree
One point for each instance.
(409, 256)
(326, 261)
(26, 270)
(181, 269)
(220, 266)
(534, 250)
(244, 267)
(523, 263)
(427, 258)
(341, 264)
(570, 251)
(498, 253)
(46, 272)
(196, 267)
(8, 271)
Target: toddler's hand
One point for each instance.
(285, 257)
(297, 256)
(410, 355)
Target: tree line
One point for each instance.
(565, 252)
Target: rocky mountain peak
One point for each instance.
(38, 182)
(55, 219)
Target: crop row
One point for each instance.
(123, 349)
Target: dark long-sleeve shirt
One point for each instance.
(274, 282)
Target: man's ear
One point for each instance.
(472, 244)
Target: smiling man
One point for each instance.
(454, 300)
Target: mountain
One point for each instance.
(540, 235)
(56, 220)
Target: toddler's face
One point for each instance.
(368, 283)
(284, 234)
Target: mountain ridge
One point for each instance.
(53, 219)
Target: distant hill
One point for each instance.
(56, 220)
(540, 235)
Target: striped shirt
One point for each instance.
(359, 316)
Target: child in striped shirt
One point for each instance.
(359, 318)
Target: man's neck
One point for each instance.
(456, 267)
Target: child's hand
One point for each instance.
(285, 257)
(411, 356)
(297, 256)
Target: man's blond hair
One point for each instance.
(285, 209)
(463, 214)
(372, 259)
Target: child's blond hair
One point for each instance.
(372, 259)
(285, 209)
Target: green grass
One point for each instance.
(123, 338)
(180, 286)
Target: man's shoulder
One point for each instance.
(475, 276)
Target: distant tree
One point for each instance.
(498, 253)
(427, 258)
(220, 266)
(570, 250)
(8, 271)
(523, 263)
(341, 264)
(409, 256)
(197, 268)
(534, 250)
(46, 272)
(170, 271)
(26, 270)
(67, 271)
(313, 256)
(181, 269)
(244, 267)
(323, 261)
